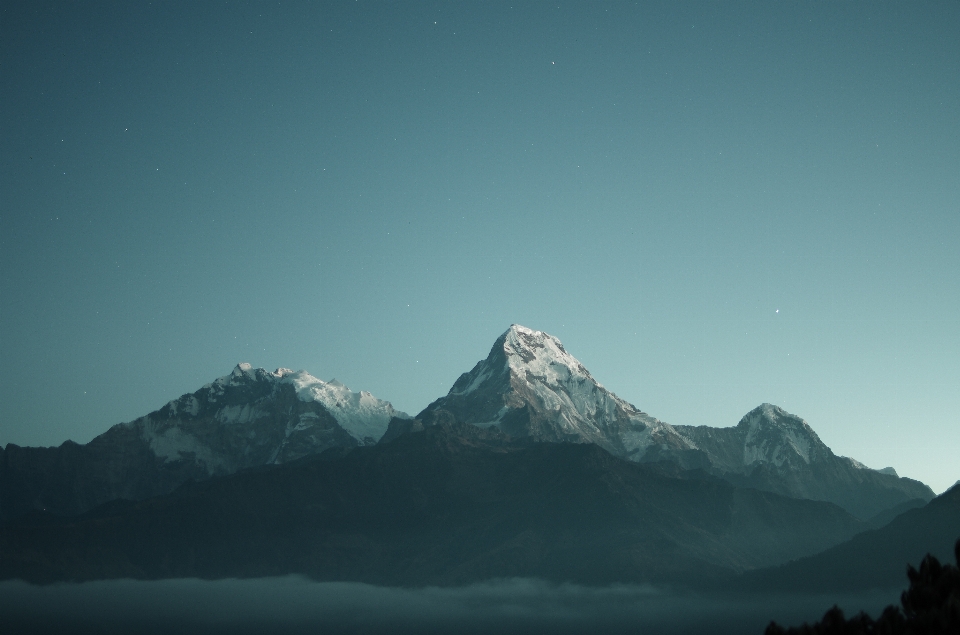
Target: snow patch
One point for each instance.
(188, 405)
(238, 414)
(477, 381)
(635, 440)
(173, 442)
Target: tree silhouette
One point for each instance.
(930, 606)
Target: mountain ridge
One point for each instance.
(773, 450)
(529, 386)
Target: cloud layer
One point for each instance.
(294, 605)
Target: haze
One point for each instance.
(295, 605)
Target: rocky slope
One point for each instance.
(773, 450)
(248, 418)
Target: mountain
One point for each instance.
(450, 504)
(773, 450)
(872, 559)
(529, 386)
(248, 418)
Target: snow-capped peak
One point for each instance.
(542, 355)
(242, 369)
(241, 373)
(530, 385)
(774, 435)
(538, 357)
(361, 414)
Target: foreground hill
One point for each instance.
(250, 417)
(872, 559)
(929, 606)
(448, 505)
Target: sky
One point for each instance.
(712, 205)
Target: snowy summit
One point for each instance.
(529, 385)
(253, 416)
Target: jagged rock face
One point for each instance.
(248, 418)
(773, 450)
(530, 386)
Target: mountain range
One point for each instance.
(451, 504)
(527, 467)
(530, 386)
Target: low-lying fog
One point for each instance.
(293, 604)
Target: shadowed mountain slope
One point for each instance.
(872, 559)
(449, 505)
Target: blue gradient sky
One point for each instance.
(712, 205)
